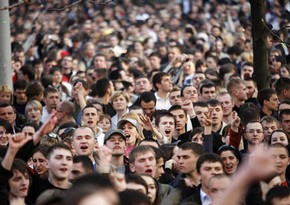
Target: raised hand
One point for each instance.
(146, 122)
(188, 107)
(235, 121)
(16, 141)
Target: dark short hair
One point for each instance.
(194, 147)
(208, 157)
(157, 78)
(55, 147)
(277, 192)
(147, 97)
(206, 85)
(141, 149)
(85, 161)
(136, 179)
(284, 112)
(265, 94)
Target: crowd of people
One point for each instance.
(144, 103)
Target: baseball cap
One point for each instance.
(131, 120)
(114, 131)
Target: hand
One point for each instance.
(235, 121)
(118, 181)
(49, 125)
(207, 119)
(146, 122)
(105, 154)
(170, 164)
(16, 141)
(188, 107)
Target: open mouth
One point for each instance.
(148, 171)
(63, 169)
(84, 148)
(167, 131)
(127, 135)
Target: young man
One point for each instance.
(217, 115)
(207, 166)
(238, 91)
(175, 96)
(285, 120)
(51, 99)
(217, 185)
(163, 85)
(282, 87)
(207, 91)
(270, 124)
(227, 106)
(142, 160)
(20, 99)
(148, 103)
(82, 165)
(142, 84)
(189, 93)
(180, 128)
(7, 112)
(268, 99)
(59, 165)
(165, 123)
(188, 179)
(280, 157)
(115, 140)
(247, 70)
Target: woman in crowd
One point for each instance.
(231, 158)
(39, 160)
(120, 102)
(5, 130)
(152, 189)
(5, 94)
(105, 122)
(33, 112)
(130, 124)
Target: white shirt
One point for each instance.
(45, 115)
(205, 200)
(161, 103)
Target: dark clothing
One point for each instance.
(195, 197)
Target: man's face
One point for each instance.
(90, 117)
(280, 159)
(175, 98)
(145, 163)
(269, 127)
(285, 123)
(142, 85)
(20, 95)
(272, 103)
(251, 88)
(60, 164)
(77, 171)
(197, 78)
(217, 114)
(84, 141)
(254, 133)
(100, 62)
(67, 64)
(241, 92)
(227, 105)
(211, 63)
(8, 114)
(148, 108)
(181, 119)
(165, 85)
(247, 71)
(51, 100)
(217, 186)
(155, 62)
(117, 144)
(172, 53)
(159, 168)
(186, 161)
(19, 184)
(208, 94)
(209, 169)
(200, 112)
(166, 126)
(190, 93)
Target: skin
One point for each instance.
(19, 184)
(197, 138)
(181, 119)
(90, 117)
(186, 161)
(175, 98)
(166, 127)
(285, 123)
(5, 97)
(137, 187)
(144, 163)
(207, 170)
(84, 142)
(200, 112)
(165, 85)
(148, 108)
(257, 136)
(208, 93)
(39, 163)
(142, 85)
(33, 114)
(279, 137)
(3, 137)
(226, 103)
(130, 132)
(190, 93)
(20, 95)
(8, 114)
(159, 168)
(51, 101)
(269, 127)
(105, 124)
(217, 115)
(117, 144)
(77, 171)
(230, 162)
(272, 103)
(217, 187)
(120, 103)
(280, 159)
(152, 191)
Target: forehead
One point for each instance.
(177, 112)
(214, 107)
(279, 134)
(253, 125)
(166, 119)
(199, 108)
(90, 110)
(6, 109)
(142, 79)
(223, 98)
(52, 94)
(116, 136)
(211, 164)
(173, 93)
(280, 150)
(269, 124)
(185, 152)
(83, 131)
(146, 154)
(61, 151)
(148, 104)
(189, 88)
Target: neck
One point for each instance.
(118, 161)
(216, 127)
(205, 189)
(267, 111)
(48, 109)
(16, 200)
(227, 119)
(282, 177)
(252, 147)
(238, 102)
(104, 100)
(63, 184)
(121, 113)
(162, 94)
(194, 178)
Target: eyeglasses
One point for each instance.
(253, 131)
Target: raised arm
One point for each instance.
(16, 141)
(46, 128)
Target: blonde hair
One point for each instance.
(33, 103)
(4, 88)
(120, 93)
(139, 127)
